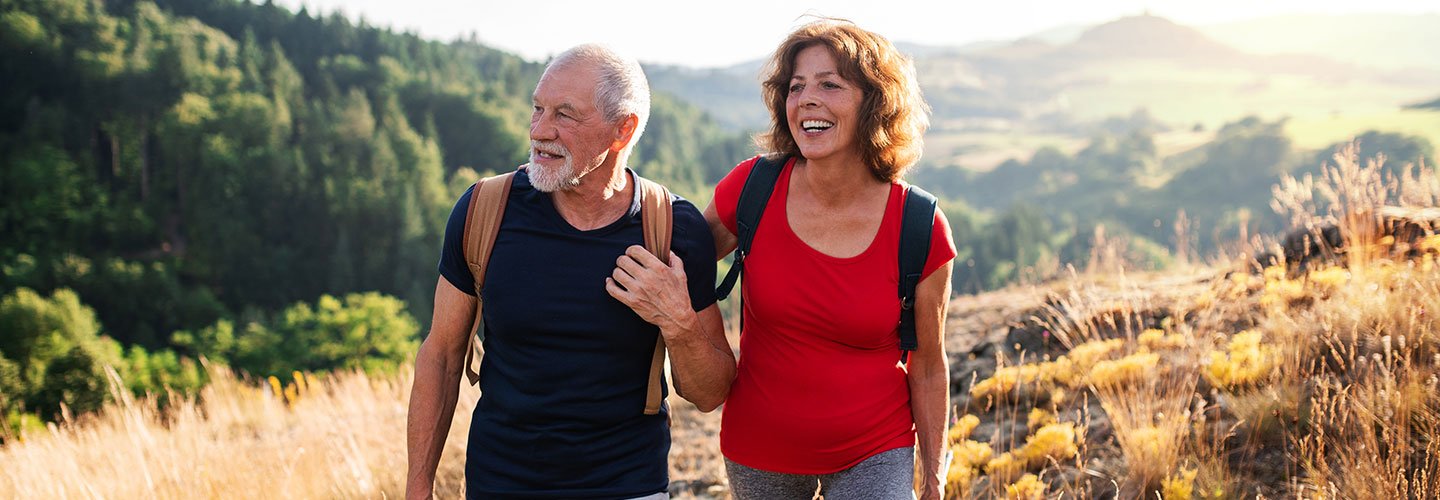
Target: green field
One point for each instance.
(1321, 131)
(1180, 94)
(983, 151)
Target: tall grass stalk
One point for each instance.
(342, 437)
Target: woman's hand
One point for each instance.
(931, 492)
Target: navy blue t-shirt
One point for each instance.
(566, 366)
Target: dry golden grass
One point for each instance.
(1319, 380)
(342, 436)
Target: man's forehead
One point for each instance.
(572, 84)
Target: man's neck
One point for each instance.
(603, 196)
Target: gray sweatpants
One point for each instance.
(886, 476)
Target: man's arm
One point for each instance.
(437, 384)
(700, 358)
(929, 374)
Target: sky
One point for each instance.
(724, 32)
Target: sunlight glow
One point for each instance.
(724, 33)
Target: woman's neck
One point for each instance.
(835, 181)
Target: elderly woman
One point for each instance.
(822, 398)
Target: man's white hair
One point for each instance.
(621, 91)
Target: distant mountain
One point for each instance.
(922, 50)
(1060, 79)
(1382, 41)
(1146, 36)
(1434, 104)
(1059, 35)
(731, 95)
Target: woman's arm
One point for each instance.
(725, 241)
(929, 375)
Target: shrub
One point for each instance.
(369, 331)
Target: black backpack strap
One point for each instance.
(753, 198)
(915, 228)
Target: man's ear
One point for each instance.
(625, 132)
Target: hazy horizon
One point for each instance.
(745, 30)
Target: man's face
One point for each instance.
(569, 137)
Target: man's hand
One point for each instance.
(701, 363)
(654, 290)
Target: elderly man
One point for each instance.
(573, 306)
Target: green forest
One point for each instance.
(233, 182)
(236, 182)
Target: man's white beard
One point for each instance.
(564, 178)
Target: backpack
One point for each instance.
(915, 227)
(482, 225)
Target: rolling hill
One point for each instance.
(1070, 76)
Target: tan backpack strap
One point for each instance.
(482, 225)
(656, 216)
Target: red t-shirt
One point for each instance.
(819, 387)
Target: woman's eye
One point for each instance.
(796, 88)
(831, 85)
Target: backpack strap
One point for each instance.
(656, 219)
(915, 228)
(482, 225)
(753, 198)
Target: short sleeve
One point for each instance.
(690, 239)
(452, 251)
(727, 193)
(942, 245)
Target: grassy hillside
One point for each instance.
(1316, 377)
(313, 436)
(1311, 380)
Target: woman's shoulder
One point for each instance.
(743, 168)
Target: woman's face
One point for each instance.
(822, 107)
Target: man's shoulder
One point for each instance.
(686, 214)
(520, 182)
(690, 234)
(683, 206)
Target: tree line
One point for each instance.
(260, 187)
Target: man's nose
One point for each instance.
(541, 128)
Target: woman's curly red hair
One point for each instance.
(893, 114)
